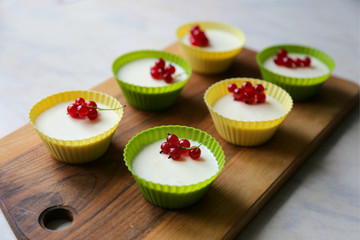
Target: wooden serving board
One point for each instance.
(104, 199)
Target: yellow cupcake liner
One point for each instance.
(172, 196)
(209, 62)
(246, 133)
(76, 151)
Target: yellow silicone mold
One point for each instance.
(246, 133)
(204, 61)
(76, 151)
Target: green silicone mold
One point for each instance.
(151, 98)
(299, 88)
(168, 196)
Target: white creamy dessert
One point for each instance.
(219, 40)
(137, 72)
(316, 69)
(240, 111)
(153, 166)
(56, 123)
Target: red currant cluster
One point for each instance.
(159, 71)
(175, 148)
(198, 37)
(282, 59)
(248, 93)
(82, 109)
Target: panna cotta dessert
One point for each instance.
(138, 72)
(76, 126)
(159, 168)
(246, 111)
(316, 69)
(151, 80)
(210, 47)
(299, 70)
(240, 111)
(174, 166)
(218, 40)
(56, 123)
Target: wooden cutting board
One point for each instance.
(105, 202)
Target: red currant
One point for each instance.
(249, 97)
(173, 140)
(247, 86)
(92, 114)
(165, 147)
(156, 73)
(80, 101)
(287, 62)
(261, 97)
(82, 110)
(282, 53)
(195, 153)
(175, 153)
(160, 63)
(232, 87)
(168, 78)
(91, 104)
(307, 62)
(259, 88)
(184, 143)
(170, 69)
(193, 28)
(72, 110)
(239, 94)
(278, 60)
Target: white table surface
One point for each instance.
(47, 46)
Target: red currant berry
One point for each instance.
(261, 97)
(173, 140)
(287, 62)
(160, 63)
(249, 97)
(82, 110)
(72, 110)
(239, 94)
(193, 28)
(194, 41)
(165, 148)
(80, 101)
(156, 73)
(307, 62)
(232, 87)
(282, 53)
(278, 60)
(175, 153)
(184, 143)
(195, 153)
(259, 88)
(91, 104)
(167, 77)
(298, 62)
(92, 114)
(247, 85)
(170, 69)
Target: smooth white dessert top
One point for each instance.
(316, 69)
(137, 72)
(219, 40)
(153, 166)
(56, 123)
(240, 111)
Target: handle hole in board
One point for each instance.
(56, 218)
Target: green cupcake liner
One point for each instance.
(170, 196)
(299, 88)
(151, 98)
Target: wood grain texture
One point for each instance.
(105, 199)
